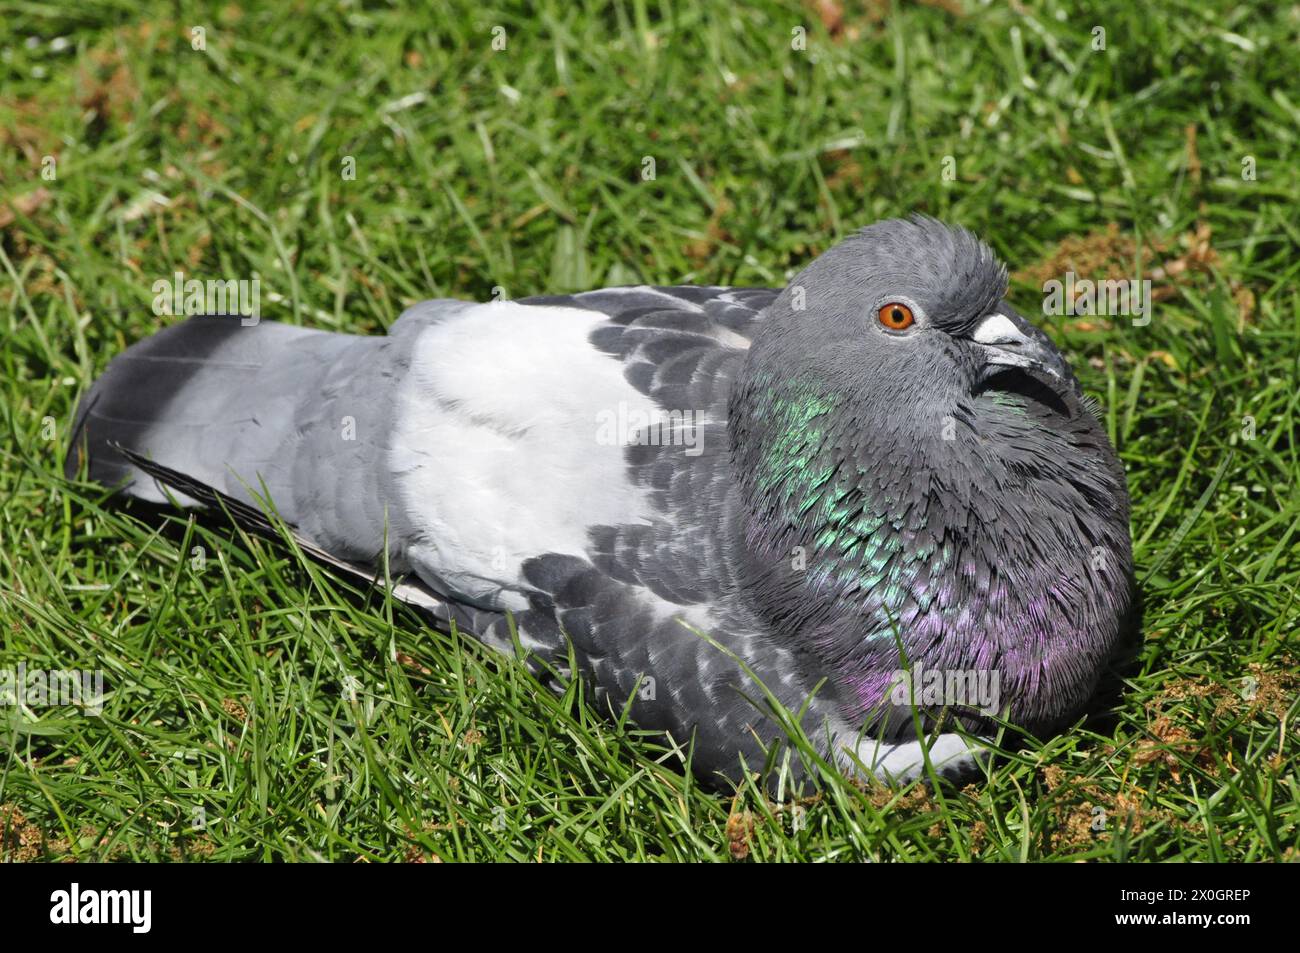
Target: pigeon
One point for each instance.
(874, 506)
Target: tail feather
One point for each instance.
(409, 589)
(184, 396)
(299, 415)
(133, 393)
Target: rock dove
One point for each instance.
(719, 497)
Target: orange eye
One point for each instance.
(896, 316)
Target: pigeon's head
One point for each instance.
(907, 309)
(928, 457)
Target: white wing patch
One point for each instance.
(497, 448)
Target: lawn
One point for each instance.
(357, 157)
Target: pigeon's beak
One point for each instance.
(1007, 340)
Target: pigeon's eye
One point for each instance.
(896, 316)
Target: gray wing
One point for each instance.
(636, 606)
(215, 409)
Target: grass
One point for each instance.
(298, 720)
